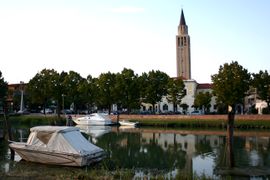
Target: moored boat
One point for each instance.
(128, 123)
(96, 119)
(58, 145)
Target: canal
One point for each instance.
(144, 153)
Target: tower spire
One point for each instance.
(182, 18)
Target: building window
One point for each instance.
(181, 43)
(185, 41)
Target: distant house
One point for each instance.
(14, 90)
(253, 102)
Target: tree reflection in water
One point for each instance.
(244, 157)
(129, 150)
(153, 153)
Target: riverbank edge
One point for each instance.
(199, 121)
(199, 117)
(189, 121)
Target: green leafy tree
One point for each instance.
(261, 81)
(91, 92)
(16, 95)
(41, 87)
(127, 89)
(72, 84)
(59, 90)
(3, 91)
(176, 92)
(230, 86)
(203, 100)
(106, 90)
(153, 86)
(88, 91)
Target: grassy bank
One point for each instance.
(180, 121)
(35, 120)
(202, 121)
(99, 174)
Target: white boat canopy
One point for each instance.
(60, 139)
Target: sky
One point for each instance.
(93, 37)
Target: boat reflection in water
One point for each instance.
(94, 131)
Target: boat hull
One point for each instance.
(95, 119)
(29, 153)
(92, 122)
(127, 123)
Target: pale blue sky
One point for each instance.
(94, 37)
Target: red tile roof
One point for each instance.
(205, 86)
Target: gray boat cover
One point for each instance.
(60, 139)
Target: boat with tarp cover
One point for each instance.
(58, 145)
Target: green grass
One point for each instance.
(35, 120)
(93, 173)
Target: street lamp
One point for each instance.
(63, 103)
(21, 89)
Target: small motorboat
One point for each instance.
(58, 145)
(96, 119)
(128, 123)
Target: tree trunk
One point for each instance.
(229, 137)
(58, 109)
(109, 109)
(118, 117)
(128, 109)
(10, 136)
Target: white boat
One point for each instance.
(97, 119)
(128, 123)
(58, 145)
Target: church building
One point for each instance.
(183, 69)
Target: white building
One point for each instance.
(192, 89)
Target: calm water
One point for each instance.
(150, 152)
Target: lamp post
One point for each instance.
(63, 103)
(21, 89)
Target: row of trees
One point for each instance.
(126, 89)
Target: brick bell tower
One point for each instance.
(183, 50)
